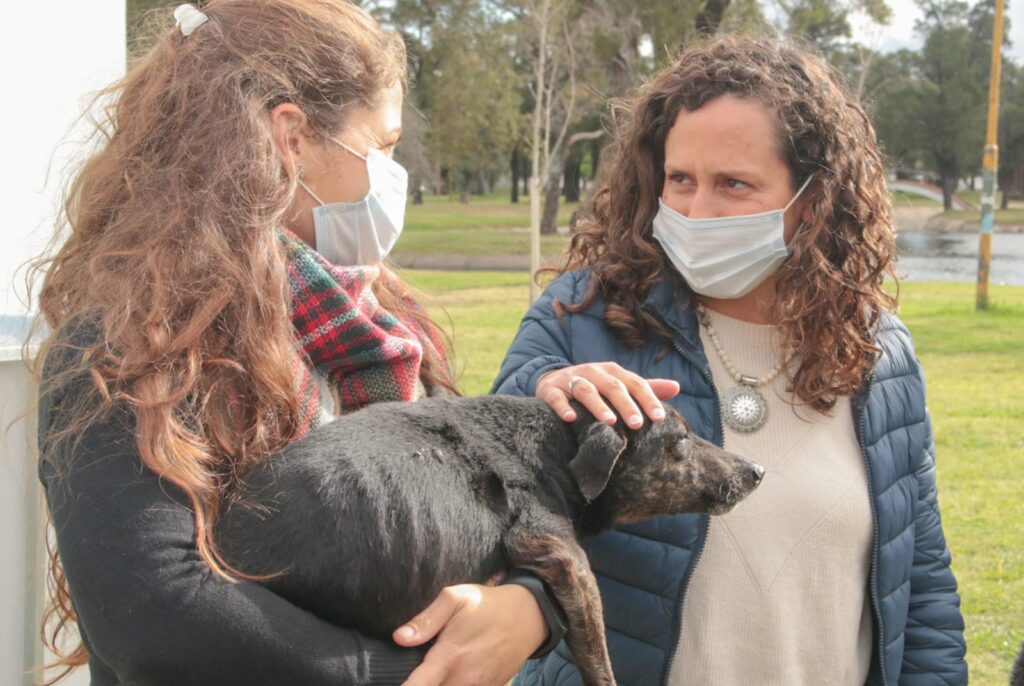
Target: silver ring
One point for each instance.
(572, 383)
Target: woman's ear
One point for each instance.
(287, 123)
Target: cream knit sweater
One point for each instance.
(779, 595)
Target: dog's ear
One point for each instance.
(599, 449)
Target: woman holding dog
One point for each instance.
(737, 248)
(220, 294)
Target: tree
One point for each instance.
(889, 92)
(949, 102)
(826, 23)
(1011, 134)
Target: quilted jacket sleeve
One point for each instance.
(543, 342)
(934, 645)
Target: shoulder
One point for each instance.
(571, 288)
(898, 356)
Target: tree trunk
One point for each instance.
(417, 190)
(710, 18)
(948, 188)
(467, 178)
(552, 192)
(571, 177)
(514, 168)
(595, 156)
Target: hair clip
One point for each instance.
(189, 18)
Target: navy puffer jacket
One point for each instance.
(643, 569)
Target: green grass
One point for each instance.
(975, 373)
(1011, 215)
(901, 199)
(487, 225)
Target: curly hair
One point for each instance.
(828, 293)
(171, 251)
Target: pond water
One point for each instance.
(928, 256)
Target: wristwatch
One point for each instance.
(558, 624)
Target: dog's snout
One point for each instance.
(758, 472)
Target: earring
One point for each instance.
(301, 170)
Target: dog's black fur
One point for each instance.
(369, 517)
(1017, 673)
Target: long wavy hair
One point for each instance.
(829, 294)
(167, 249)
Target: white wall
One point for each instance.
(53, 54)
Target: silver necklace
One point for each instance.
(743, 407)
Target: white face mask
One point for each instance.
(724, 257)
(364, 232)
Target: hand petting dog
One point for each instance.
(595, 385)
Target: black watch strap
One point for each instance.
(558, 624)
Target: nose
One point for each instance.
(702, 204)
(758, 472)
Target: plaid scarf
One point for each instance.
(365, 353)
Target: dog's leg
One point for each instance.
(545, 544)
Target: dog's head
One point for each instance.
(661, 468)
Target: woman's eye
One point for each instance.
(736, 183)
(678, 178)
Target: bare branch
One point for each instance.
(581, 136)
(571, 107)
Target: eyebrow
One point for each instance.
(730, 173)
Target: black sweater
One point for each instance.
(150, 610)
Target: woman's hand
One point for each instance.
(597, 383)
(484, 635)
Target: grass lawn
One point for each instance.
(975, 394)
(481, 227)
(1011, 215)
(901, 199)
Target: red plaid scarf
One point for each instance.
(366, 353)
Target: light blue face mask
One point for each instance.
(364, 232)
(724, 257)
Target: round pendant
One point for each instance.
(744, 409)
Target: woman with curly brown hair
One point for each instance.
(737, 246)
(221, 293)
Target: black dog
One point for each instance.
(1017, 674)
(369, 517)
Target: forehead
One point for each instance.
(382, 117)
(726, 131)
(389, 108)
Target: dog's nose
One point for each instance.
(758, 472)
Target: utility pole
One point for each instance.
(990, 164)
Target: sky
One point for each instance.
(900, 31)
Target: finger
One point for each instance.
(434, 669)
(428, 623)
(648, 394)
(664, 388)
(558, 400)
(586, 391)
(618, 387)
